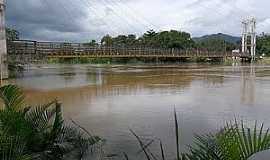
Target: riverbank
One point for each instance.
(133, 60)
(265, 60)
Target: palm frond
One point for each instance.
(13, 123)
(234, 141)
(177, 135)
(39, 117)
(251, 141)
(41, 129)
(12, 96)
(78, 142)
(12, 148)
(162, 150)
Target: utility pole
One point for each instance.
(249, 37)
(3, 43)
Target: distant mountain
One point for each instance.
(226, 37)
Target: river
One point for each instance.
(110, 100)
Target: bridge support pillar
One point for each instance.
(3, 43)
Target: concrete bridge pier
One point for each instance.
(3, 43)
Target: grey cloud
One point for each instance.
(34, 16)
(82, 20)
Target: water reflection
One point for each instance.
(248, 76)
(68, 74)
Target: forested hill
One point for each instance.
(227, 38)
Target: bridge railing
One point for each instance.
(25, 47)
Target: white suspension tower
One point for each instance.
(249, 37)
(3, 43)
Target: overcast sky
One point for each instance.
(83, 20)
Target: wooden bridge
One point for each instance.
(24, 49)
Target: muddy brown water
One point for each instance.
(110, 100)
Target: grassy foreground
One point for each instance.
(40, 133)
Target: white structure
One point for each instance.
(3, 43)
(236, 51)
(249, 37)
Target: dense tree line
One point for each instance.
(216, 44)
(168, 39)
(263, 44)
(152, 39)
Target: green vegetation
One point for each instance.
(173, 39)
(38, 132)
(182, 40)
(12, 34)
(152, 39)
(225, 37)
(216, 44)
(263, 44)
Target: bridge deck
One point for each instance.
(150, 55)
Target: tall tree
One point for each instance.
(174, 39)
(120, 40)
(12, 34)
(107, 40)
(165, 39)
(148, 38)
(131, 39)
(263, 44)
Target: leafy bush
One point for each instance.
(38, 132)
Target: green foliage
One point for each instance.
(227, 38)
(12, 148)
(92, 43)
(165, 39)
(263, 44)
(233, 142)
(107, 40)
(216, 44)
(12, 34)
(38, 133)
(12, 97)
